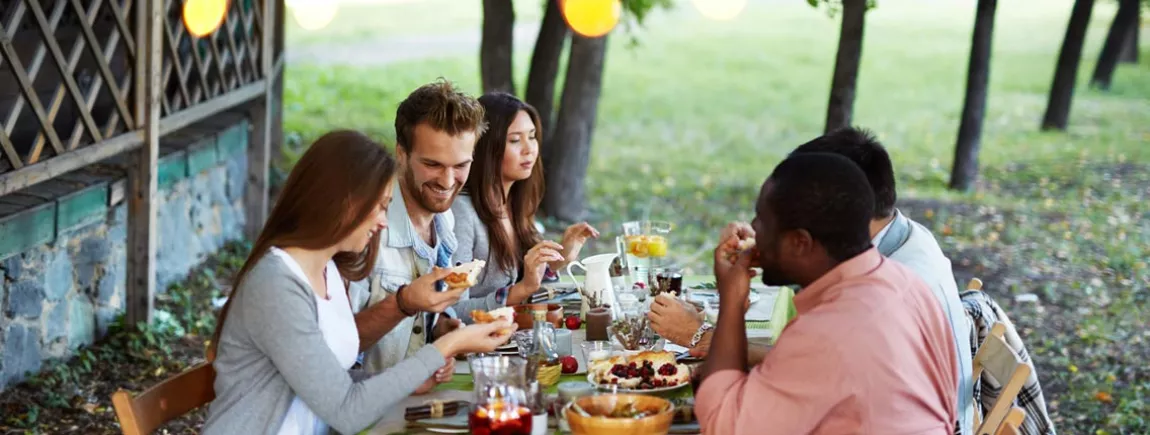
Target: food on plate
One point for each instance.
(642, 371)
(570, 364)
(465, 275)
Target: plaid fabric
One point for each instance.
(983, 313)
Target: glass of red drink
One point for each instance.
(502, 403)
(500, 418)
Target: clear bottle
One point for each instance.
(543, 360)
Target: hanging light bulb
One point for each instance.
(202, 17)
(720, 10)
(592, 18)
(313, 14)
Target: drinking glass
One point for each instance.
(644, 242)
(595, 350)
(502, 397)
(665, 280)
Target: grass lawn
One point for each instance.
(693, 119)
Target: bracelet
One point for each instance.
(399, 301)
(699, 334)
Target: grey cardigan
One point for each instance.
(473, 244)
(271, 349)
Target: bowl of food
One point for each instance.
(635, 414)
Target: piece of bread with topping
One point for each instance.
(465, 275)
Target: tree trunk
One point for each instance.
(1115, 40)
(1066, 72)
(846, 65)
(965, 170)
(566, 165)
(1130, 47)
(496, 47)
(545, 67)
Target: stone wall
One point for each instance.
(62, 242)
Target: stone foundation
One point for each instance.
(62, 242)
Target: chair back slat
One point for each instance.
(169, 399)
(974, 284)
(1003, 365)
(1012, 423)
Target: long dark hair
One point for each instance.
(335, 186)
(485, 183)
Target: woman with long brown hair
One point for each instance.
(287, 337)
(495, 214)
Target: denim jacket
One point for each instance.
(403, 257)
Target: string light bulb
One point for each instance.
(720, 10)
(313, 14)
(202, 17)
(592, 18)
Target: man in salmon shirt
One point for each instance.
(870, 351)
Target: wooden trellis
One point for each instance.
(85, 80)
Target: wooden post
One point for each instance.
(141, 270)
(259, 147)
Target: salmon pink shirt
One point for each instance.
(870, 352)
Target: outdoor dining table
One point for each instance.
(777, 301)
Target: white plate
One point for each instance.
(607, 387)
(713, 296)
(446, 430)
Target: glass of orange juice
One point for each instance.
(644, 241)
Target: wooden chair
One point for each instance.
(165, 401)
(1010, 426)
(996, 358)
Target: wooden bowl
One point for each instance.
(597, 424)
(525, 320)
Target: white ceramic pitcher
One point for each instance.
(597, 280)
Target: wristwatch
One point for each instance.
(706, 326)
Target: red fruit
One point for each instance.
(573, 322)
(570, 364)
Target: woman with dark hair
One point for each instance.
(495, 214)
(286, 338)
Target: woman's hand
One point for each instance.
(534, 267)
(442, 375)
(574, 237)
(477, 338)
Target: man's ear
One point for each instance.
(802, 243)
(400, 154)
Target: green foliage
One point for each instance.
(635, 13)
(833, 7)
(149, 352)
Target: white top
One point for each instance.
(337, 323)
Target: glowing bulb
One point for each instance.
(202, 17)
(720, 10)
(592, 18)
(313, 14)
